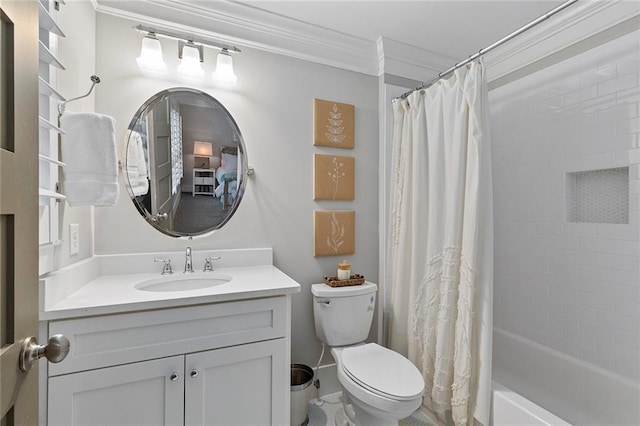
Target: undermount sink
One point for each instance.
(185, 282)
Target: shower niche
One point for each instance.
(598, 196)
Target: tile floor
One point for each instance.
(323, 415)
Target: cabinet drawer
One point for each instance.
(208, 181)
(199, 181)
(119, 339)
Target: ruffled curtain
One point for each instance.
(442, 243)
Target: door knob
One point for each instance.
(174, 376)
(194, 373)
(159, 217)
(55, 350)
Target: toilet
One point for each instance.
(379, 386)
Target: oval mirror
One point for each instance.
(185, 162)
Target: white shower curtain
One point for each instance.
(442, 243)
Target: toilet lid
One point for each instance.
(383, 371)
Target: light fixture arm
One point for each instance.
(195, 40)
(190, 43)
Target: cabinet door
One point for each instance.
(242, 385)
(143, 393)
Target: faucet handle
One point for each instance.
(166, 267)
(208, 265)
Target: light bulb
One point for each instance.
(190, 65)
(150, 58)
(224, 74)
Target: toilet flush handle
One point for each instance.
(325, 302)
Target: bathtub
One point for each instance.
(512, 409)
(528, 376)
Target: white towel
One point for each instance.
(136, 165)
(89, 151)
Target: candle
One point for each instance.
(344, 270)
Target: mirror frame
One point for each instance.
(246, 170)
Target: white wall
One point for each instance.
(78, 54)
(574, 287)
(273, 106)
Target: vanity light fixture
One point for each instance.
(191, 56)
(224, 74)
(150, 58)
(191, 53)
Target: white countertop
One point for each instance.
(111, 294)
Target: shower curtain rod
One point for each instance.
(490, 48)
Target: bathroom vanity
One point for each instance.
(217, 355)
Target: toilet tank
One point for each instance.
(343, 315)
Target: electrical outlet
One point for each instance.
(74, 239)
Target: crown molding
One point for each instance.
(575, 24)
(401, 59)
(243, 25)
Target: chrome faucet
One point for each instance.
(188, 264)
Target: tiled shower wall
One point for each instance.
(574, 287)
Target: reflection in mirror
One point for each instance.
(184, 162)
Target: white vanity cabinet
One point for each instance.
(214, 364)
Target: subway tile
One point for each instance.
(621, 156)
(582, 95)
(563, 269)
(597, 330)
(550, 228)
(623, 277)
(622, 83)
(593, 272)
(580, 312)
(590, 162)
(593, 77)
(627, 65)
(585, 230)
(628, 126)
(621, 292)
(634, 156)
(629, 340)
(601, 132)
(597, 358)
(586, 299)
(586, 341)
(617, 352)
(617, 261)
(598, 245)
(628, 96)
(580, 257)
(630, 248)
(629, 309)
(617, 321)
(617, 231)
(627, 370)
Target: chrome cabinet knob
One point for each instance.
(194, 373)
(55, 350)
(174, 376)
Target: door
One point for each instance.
(143, 393)
(18, 207)
(246, 385)
(161, 169)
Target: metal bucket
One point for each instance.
(301, 379)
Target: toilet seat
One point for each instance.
(382, 372)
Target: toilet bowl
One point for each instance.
(380, 386)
